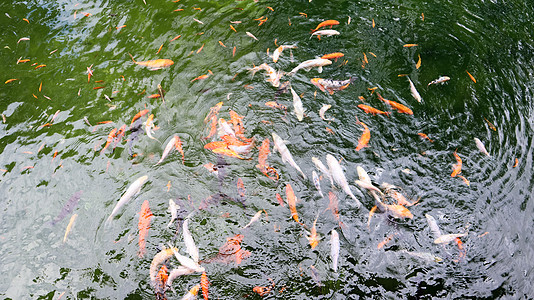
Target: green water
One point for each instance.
(492, 40)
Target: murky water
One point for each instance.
(49, 152)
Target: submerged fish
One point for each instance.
(292, 202)
(433, 226)
(255, 218)
(323, 110)
(170, 146)
(278, 51)
(309, 64)
(481, 147)
(145, 215)
(334, 249)
(330, 85)
(414, 91)
(274, 76)
(441, 79)
(317, 183)
(154, 64)
(339, 177)
(280, 145)
(319, 165)
(447, 238)
(68, 208)
(422, 255)
(326, 32)
(297, 104)
(325, 23)
(69, 226)
(173, 209)
(313, 238)
(132, 190)
(192, 249)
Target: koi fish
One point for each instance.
(481, 147)
(278, 51)
(274, 76)
(171, 145)
(145, 215)
(334, 55)
(251, 35)
(110, 137)
(414, 91)
(227, 152)
(173, 209)
(371, 110)
(276, 105)
(317, 183)
(309, 64)
(255, 218)
(159, 259)
(139, 115)
(329, 85)
(213, 112)
(192, 294)
(279, 199)
(339, 177)
(447, 238)
(313, 238)
(323, 110)
(204, 283)
(241, 191)
(192, 249)
(187, 262)
(132, 190)
(148, 127)
(433, 226)
(319, 165)
(154, 64)
(334, 207)
(441, 79)
(325, 23)
(395, 105)
(231, 251)
(68, 208)
(424, 136)
(292, 202)
(458, 166)
(422, 255)
(69, 226)
(327, 32)
(297, 104)
(334, 249)
(280, 145)
(263, 153)
(394, 210)
(368, 186)
(364, 138)
(178, 146)
(160, 283)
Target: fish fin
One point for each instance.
(132, 57)
(320, 69)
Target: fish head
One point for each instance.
(400, 211)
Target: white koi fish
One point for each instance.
(447, 238)
(175, 273)
(192, 294)
(149, 124)
(414, 91)
(132, 191)
(274, 76)
(251, 35)
(170, 146)
(317, 183)
(173, 209)
(225, 128)
(319, 165)
(187, 262)
(159, 259)
(280, 145)
(422, 255)
(481, 147)
(368, 186)
(309, 64)
(192, 249)
(323, 110)
(326, 32)
(330, 85)
(254, 219)
(339, 177)
(334, 249)
(278, 51)
(297, 104)
(442, 79)
(433, 226)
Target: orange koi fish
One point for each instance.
(458, 166)
(264, 153)
(213, 112)
(410, 45)
(276, 105)
(237, 122)
(154, 64)
(241, 190)
(333, 207)
(385, 241)
(395, 105)
(231, 251)
(213, 127)
(119, 135)
(329, 85)
(161, 281)
(292, 202)
(145, 215)
(227, 152)
(204, 283)
(159, 259)
(364, 138)
(313, 238)
(178, 146)
(424, 136)
(10, 80)
(111, 135)
(471, 76)
(394, 210)
(334, 55)
(279, 199)
(215, 145)
(140, 114)
(325, 23)
(371, 110)
(371, 213)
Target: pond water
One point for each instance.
(54, 165)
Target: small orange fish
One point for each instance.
(233, 51)
(313, 238)
(215, 145)
(279, 199)
(385, 241)
(464, 179)
(175, 38)
(418, 64)
(424, 136)
(22, 61)
(140, 114)
(516, 163)
(371, 213)
(98, 87)
(201, 77)
(10, 80)
(227, 152)
(409, 45)
(263, 153)
(232, 27)
(364, 138)
(275, 104)
(222, 44)
(325, 23)
(334, 55)
(154, 96)
(371, 110)
(213, 126)
(292, 202)
(39, 66)
(155, 64)
(200, 49)
(471, 76)
(458, 166)
(204, 283)
(145, 215)
(395, 105)
(111, 135)
(178, 146)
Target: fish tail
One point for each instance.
(352, 79)
(132, 57)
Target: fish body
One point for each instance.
(171, 145)
(371, 110)
(368, 186)
(225, 128)
(441, 79)
(145, 215)
(394, 210)
(69, 227)
(241, 191)
(325, 23)
(330, 85)
(68, 207)
(274, 76)
(280, 145)
(175, 273)
(395, 105)
(414, 91)
(319, 165)
(339, 177)
(154, 64)
(187, 262)
(433, 226)
(317, 183)
(323, 110)
(326, 32)
(309, 64)
(313, 238)
(292, 202)
(251, 35)
(422, 255)
(192, 249)
(149, 124)
(192, 294)
(160, 284)
(132, 190)
(334, 55)
(447, 238)
(139, 115)
(159, 259)
(173, 209)
(204, 284)
(297, 105)
(481, 147)
(458, 166)
(363, 141)
(278, 51)
(334, 249)
(255, 218)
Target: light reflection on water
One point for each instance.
(102, 262)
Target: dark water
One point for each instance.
(492, 40)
